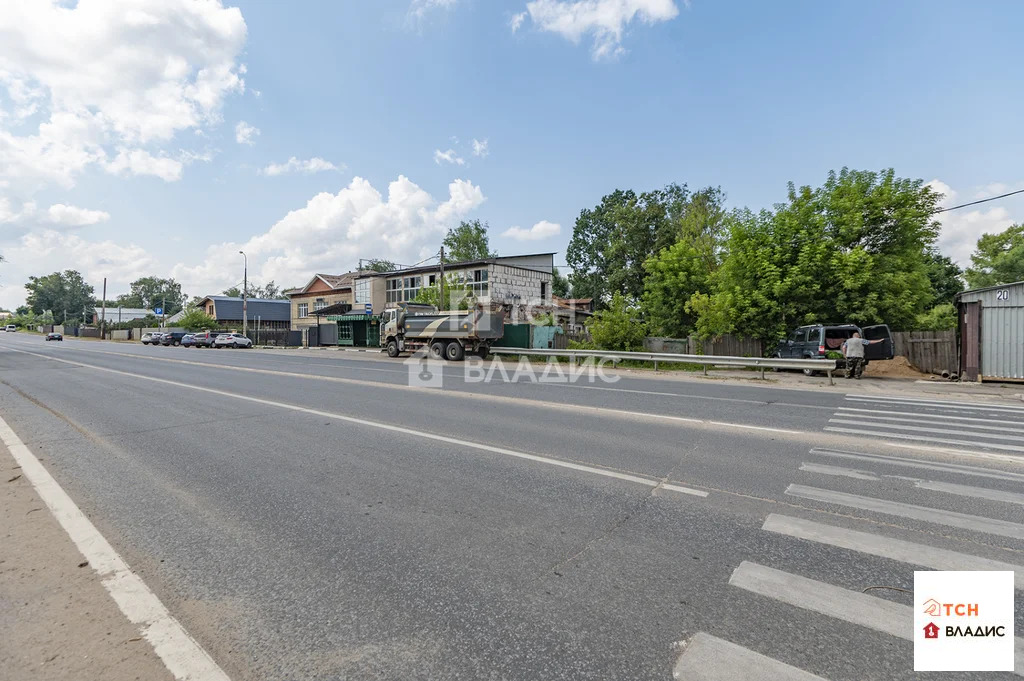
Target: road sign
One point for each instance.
(369, 308)
(159, 310)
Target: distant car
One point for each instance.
(204, 339)
(54, 336)
(815, 341)
(172, 338)
(232, 340)
(148, 338)
(188, 340)
(9, 328)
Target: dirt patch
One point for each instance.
(56, 619)
(897, 367)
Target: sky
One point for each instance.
(141, 138)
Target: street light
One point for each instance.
(245, 294)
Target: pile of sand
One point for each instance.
(897, 367)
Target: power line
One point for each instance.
(974, 203)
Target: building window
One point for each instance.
(319, 304)
(432, 280)
(475, 281)
(303, 309)
(394, 290)
(411, 288)
(362, 291)
(345, 331)
(543, 290)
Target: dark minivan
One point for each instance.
(814, 341)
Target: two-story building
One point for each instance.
(322, 291)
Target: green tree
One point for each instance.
(380, 265)
(195, 319)
(559, 284)
(468, 241)
(232, 292)
(853, 250)
(58, 292)
(998, 258)
(946, 277)
(152, 292)
(457, 296)
(618, 327)
(942, 317)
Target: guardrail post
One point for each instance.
(830, 381)
(762, 373)
(705, 369)
(655, 365)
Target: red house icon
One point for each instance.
(931, 630)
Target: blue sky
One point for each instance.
(129, 162)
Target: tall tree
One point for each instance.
(468, 241)
(611, 242)
(61, 291)
(946, 277)
(998, 258)
(153, 292)
(380, 265)
(559, 284)
(853, 250)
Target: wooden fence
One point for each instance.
(929, 351)
(732, 346)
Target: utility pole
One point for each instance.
(163, 312)
(103, 317)
(440, 294)
(245, 294)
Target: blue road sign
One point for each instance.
(369, 308)
(159, 310)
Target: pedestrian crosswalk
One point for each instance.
(997, 427)
(876, 479)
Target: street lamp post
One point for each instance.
(245, 294)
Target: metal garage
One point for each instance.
(991, 334)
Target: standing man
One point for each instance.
(853, 351)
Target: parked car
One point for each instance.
(9, 328)
(172, 338)
(148, 338)
(204, 339)
(232, 340)
(54, 336)
(815, 341)
(188, 340)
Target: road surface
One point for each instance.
(316, 517)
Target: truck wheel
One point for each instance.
(482, 352)
(437, 349)
(392, 348)
(454, 352)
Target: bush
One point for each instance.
(939, 318)
(619, 327)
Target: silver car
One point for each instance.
(232, 340)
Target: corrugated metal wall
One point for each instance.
(1002, 330)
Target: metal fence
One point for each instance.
(761, 363)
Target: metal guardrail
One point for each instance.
(762, 363)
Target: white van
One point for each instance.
(10, 327)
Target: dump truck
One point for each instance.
(449, 335)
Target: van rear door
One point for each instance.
(883, 350)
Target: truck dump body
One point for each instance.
(475, 324)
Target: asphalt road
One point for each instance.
(319, 518)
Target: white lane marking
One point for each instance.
(848, 412)
(476, 397)
(180, 653)
(825, 469)
(707, 658)
(1003, 528)
(915, 463)
(941, 405)
(923, 438)
(944, 403)
(649, 482)
(826, 599)
(694, 397)
(969, 491)
(918, 429)
(886, 547)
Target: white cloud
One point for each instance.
(295, 165)
(480, 148)
(450, 156)
(604, 20)
(244, 133)
(50, 250)
(141, 162)
(332, 231)
(962, 228)
(418, 9)
(541, 230)
(517, 21)
(9, 215)
(121, 76)
(73, 216)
